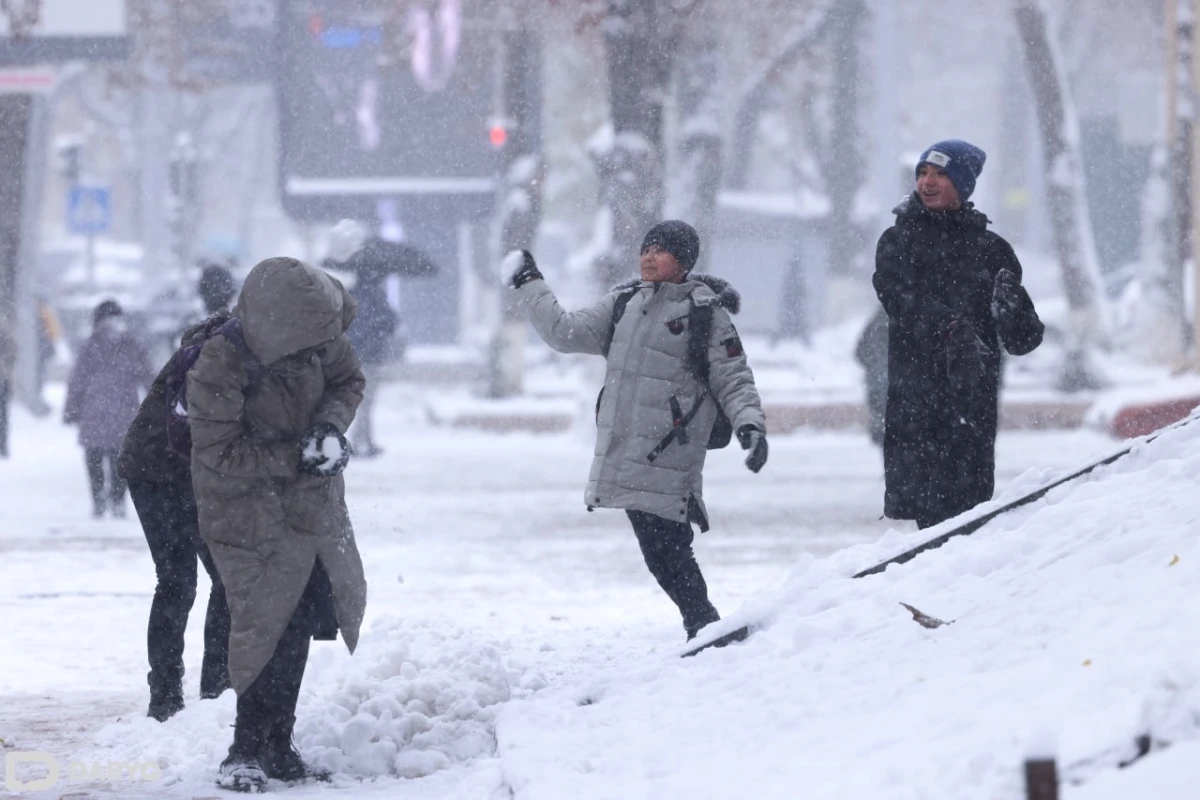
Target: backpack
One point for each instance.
(699, 328)
(179, 431)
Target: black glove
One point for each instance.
(324, 451)
(518, 268)
(754, 440)
(1007, 296)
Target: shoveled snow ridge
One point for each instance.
(1076, 624)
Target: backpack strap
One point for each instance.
(625, 294)
(699, 330)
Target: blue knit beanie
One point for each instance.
(962, 161)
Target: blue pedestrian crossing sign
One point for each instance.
(89, 210)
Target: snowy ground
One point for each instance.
(516, 647)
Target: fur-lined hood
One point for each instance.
(724, 295)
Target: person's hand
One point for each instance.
(1006, 294)
(518, 268)
(966, 354)
(324, 451)
(754, 440)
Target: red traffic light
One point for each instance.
(497, 135)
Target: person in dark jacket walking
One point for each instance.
(373, 334)
(655, 415)
(160, 484)
(102, 399)
(953, 295)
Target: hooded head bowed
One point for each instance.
(287, 306)
(962, 161)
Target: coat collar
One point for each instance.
(704, 288)
(911, 209)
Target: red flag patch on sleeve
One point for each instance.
(733, 346)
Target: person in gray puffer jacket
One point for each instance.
(654, 415)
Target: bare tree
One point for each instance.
(1059, 130)
(693, 195)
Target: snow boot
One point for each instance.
(243, 770)
(243, 775)
(283, 761)
(164, 705)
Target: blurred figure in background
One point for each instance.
(8, 359)
(216, 288)
(49, 333)
(372, 260)
(102, 399)
(871, 352)
(160, 484)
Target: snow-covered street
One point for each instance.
(489, 584)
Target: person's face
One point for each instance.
(657, 266)
(934, 188)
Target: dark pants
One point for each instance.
(96, 459)
(168, 516)
(266, 712)
(4, 400)
(667, 547)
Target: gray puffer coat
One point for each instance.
(647, 367)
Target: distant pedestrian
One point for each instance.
(8, 359)
(373, 260)
(952, 291)
(102, 399)
(160, 484)
(676, 370)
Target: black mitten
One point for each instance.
(324, 451)
(754, 440)
(518, 268)
(1006, 294)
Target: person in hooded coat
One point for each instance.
(102, 399)
(268, 416)
(160, 484)
(649, 457)
(953, 295)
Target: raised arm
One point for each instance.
(587, 330)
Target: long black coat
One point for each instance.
(940, 433)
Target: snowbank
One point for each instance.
(1075, 625)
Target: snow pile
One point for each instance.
(1074, 629)
(418, 697)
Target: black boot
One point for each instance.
(214, 678)
(283, 760)
(166, 693)
(243, 769)
(164, 705)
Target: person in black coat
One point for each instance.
(953, 295)
(160, 483)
